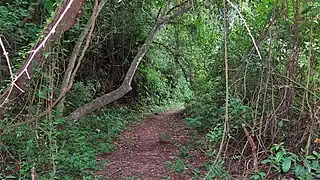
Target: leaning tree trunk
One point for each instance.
(75, 59)
(125, 87)
(65, 17)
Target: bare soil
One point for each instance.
(143, 151)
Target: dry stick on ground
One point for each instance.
(126, 84)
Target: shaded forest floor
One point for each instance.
(153, 149)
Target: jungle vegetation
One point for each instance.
(74, 73)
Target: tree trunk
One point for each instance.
(74, 61)
(65, 17)
(126, 84)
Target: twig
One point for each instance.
(298, 84)
(5, 53)
(248, 29)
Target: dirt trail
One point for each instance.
(142, 151)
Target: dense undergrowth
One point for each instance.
(272, 52)
(52, 147)
(60, 149)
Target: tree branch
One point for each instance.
(126, 84)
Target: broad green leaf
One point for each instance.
(256, 176)
(279, 156)
(262, 174)
(266, 161)
(299, 171)
(286, 165)
(315, 165)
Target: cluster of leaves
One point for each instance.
(303, 167)
(208, 115)
(207, 170)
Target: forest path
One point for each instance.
(143, 150)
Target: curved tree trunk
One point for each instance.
(75, 59)
(102, 101)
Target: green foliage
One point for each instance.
(79, 94)
(11, 16)
(156, 86)
(215, 171)
(185, 63)
(162, 82)
(214, 136)
(204, 107)
(193, 122)
(303, 167)
(60, 149)
(258, 176)
(209, 113)
(184, 151)
(178, 165)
